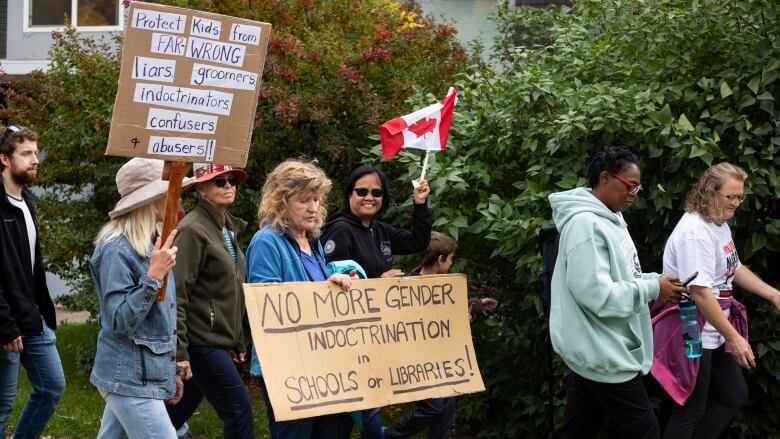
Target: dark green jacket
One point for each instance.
(209, 292)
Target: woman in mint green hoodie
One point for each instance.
(599, 317)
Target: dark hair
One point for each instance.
(13, 135)
(612, 159)
(441, 244)
(349, 185)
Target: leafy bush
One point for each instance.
(70, 108)
(335, 70)
(682, 84)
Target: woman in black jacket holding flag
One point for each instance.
(353, 232)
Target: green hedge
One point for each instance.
(684, 85)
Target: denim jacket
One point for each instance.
(274, 256)
(136, 348)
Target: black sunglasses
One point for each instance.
(8, 130)
(220, 182)
(362, 192)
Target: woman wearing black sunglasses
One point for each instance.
(209, 273)
(354, 232)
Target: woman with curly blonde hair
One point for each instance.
(285, 249)
(704, 198)
(702, 242)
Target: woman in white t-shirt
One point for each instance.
(701, 242)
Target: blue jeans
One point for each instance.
(372, 424)
(338, 426)
(215, 376)
(44, 370)
(131, 417)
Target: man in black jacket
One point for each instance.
(27, 319)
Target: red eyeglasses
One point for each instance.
(633, 188)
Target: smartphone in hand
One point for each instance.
(690, 279)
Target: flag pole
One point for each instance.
(424, 169)
(425, 164)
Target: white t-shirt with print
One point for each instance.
(698, 245)
(29, 225)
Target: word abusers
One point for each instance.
(188, 85)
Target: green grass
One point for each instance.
(81, 407)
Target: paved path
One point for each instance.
(68, 316)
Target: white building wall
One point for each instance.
(470, 17)
(29, 50)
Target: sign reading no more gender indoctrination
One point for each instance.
(386, 341)
(188, 85)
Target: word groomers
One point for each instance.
(165, 44)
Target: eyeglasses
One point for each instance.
(8, 130)
(221, 182)
(738, 199)
(633, 188)
(363, 192)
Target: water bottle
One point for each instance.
(690, 328)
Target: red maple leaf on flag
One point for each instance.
(396, 134)
(423, 127)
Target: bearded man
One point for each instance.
(27, 318)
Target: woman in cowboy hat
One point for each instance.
(134, 366)
(210, 301)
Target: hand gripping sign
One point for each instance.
(386, 341)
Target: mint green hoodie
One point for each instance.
(599, 318)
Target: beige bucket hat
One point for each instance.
(140, 182)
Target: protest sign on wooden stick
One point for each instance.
(187, 91)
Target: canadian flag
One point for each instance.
(425, 129)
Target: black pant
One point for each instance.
(436, 413)
(626, 404)
(720, 381)
(215, 376)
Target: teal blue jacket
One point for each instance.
(274, 256)
(599, 317)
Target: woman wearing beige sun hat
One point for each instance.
(134, 366)
(210, 300)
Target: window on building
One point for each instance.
(81, 13)
(48, 12)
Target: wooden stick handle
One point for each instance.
(174, 173)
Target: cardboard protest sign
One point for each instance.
(386, 341)
(188, 85)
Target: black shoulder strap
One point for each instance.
(548, 247)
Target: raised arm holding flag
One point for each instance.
(426, 129)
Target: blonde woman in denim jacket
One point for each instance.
(135, 368)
